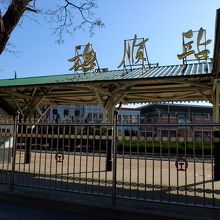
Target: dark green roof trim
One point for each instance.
(197, 69)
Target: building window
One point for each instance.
(55, 111)
(66, 112)
(201, 115)
(119, 119)
(164, 115)
(125, 119)
(134, 119)
(172, 115)
(77, 113)
(89, 116)
(100, 117)
(181, 118)
(172, 133)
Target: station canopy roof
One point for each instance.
(191, 82)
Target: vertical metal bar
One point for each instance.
(114, 148)
(138, 163)
(57, 150)
(100, 156)
(106, 148)
(68, 158)
(145, 162)
(51, 152)
(80, 155)
(212, 168)
(35, 150)
(74, 153)
(20, 129)
(63, 153)
(27, 148)
(130, 161)
(194, 165)
(31, 140)
(41, 141)
(187, 134)
(153, 163)
(123, 161)
(177, 171)
(174, 148)
(203, 166)
(45, 151)
(4, 149)
(93, 153)
(14, 153)
(169, 157)
(87, 146)
(161, 161)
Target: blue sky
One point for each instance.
(162, 21)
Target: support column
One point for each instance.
(27, 150)
(110, 108)
(216, 134)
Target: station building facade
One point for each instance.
(92, 114)
(144, 121)
(157, 116)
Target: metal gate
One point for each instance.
(167, 163)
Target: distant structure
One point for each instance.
(174, 114)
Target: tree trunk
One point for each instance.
(10, 20)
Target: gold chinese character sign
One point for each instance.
(200, 52)
(85, 58)
(135, 52)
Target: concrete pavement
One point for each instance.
(68, 205)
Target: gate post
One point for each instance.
(14, 152)
(216, 154)
(216, 133)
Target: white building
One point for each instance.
(92, 114)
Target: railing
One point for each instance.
(175, 164)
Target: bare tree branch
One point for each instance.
(31, 9)
(68, 17)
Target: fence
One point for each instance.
(168, 167)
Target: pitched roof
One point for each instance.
(115, 75)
